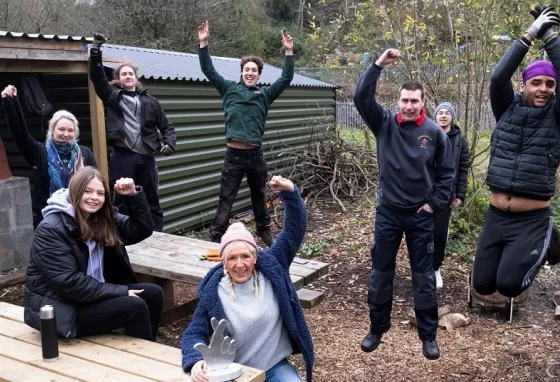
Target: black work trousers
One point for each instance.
(238, 163)
(390, 224)
(441, 234)
(139, 316)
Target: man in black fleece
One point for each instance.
(415, 178)
(524, 157)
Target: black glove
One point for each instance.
(545, 21)
(98, 40)
(166, 150)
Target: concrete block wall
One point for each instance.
(16, 223)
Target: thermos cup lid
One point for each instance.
(46, 312)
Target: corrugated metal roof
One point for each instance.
(168, 65)
(45, 36)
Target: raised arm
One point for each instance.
(96, 71)
(295, 222)
(138, 225)
(364, 97)
(274, 90)
(27, 145)
(445, 173)
(553, 50)
(219, 82)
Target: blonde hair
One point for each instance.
(63, 114)
(225, 255)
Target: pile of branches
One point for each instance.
(333, 167)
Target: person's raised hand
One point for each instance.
(279, 183)
(98, 40)
(287, 42)
(9, 91)
(545, 21)
(203, 34)
(125, 186)
(388, 57)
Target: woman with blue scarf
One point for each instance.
(53, 162)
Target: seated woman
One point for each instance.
(53, 162)
(252, 289)
(79, 265)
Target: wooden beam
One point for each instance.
(42, 44)
(43, 54)
(98, 136)
(41, 66)
(12, 278)
(117, 60)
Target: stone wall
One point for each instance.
(16, 223)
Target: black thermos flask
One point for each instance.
(49, 339)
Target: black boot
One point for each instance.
(371, 342)
(430, 349)
(266, 236)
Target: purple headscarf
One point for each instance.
(539, 68)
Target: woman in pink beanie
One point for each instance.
(252, 289)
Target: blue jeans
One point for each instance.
(283, 371)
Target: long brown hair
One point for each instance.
(117, 74)
(100, 226)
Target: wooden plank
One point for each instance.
(12, 278)
(97, 114)
(43, 54)
(310, 298)
(117, 60)
(167, 269)
(179, 312)
(98, 354)
(11, 311)
(17, 371)
(66, 365)
(40, 66)
(321, 267)
(42, 44)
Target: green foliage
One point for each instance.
(314, 249)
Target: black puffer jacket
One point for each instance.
(461, 160)
(57, 270)
(153, 117)
(525, 151)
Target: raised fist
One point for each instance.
(98, 40)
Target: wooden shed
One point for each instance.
(190, 178)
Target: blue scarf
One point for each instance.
(62, 159)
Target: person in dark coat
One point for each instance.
(53, 162)
(79, 265)
(252, 290)
(524, 156)
(133, 119)
(444, 116)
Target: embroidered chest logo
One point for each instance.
(424, 141)
(257, 92)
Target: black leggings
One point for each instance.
(139, 316)
(511, 250)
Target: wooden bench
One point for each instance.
(166, 258)
(108, 357)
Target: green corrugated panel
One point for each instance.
(190, 178)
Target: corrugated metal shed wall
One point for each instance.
(190, 179)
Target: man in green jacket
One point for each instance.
(246, 106)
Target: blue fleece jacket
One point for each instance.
(274, 263)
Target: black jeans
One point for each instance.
(441, 233)
(141, 168)
(139, 316)
(238, 163)
(419, 230)
(511, 249)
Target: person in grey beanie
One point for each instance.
(445, 116)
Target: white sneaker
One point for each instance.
(439, 280)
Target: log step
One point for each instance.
(309, 298)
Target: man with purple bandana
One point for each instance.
(525, 152)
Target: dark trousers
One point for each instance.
(238, 163)
(419, 230)
(441, 233)
(139, 316)
(511, 249)
(124, 163)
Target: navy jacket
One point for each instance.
(274, 263)
(415, 161)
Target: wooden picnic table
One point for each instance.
(110, 357)
(169, 257)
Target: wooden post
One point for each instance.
(97, 113)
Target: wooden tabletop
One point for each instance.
(111, 357)
(177, 258)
